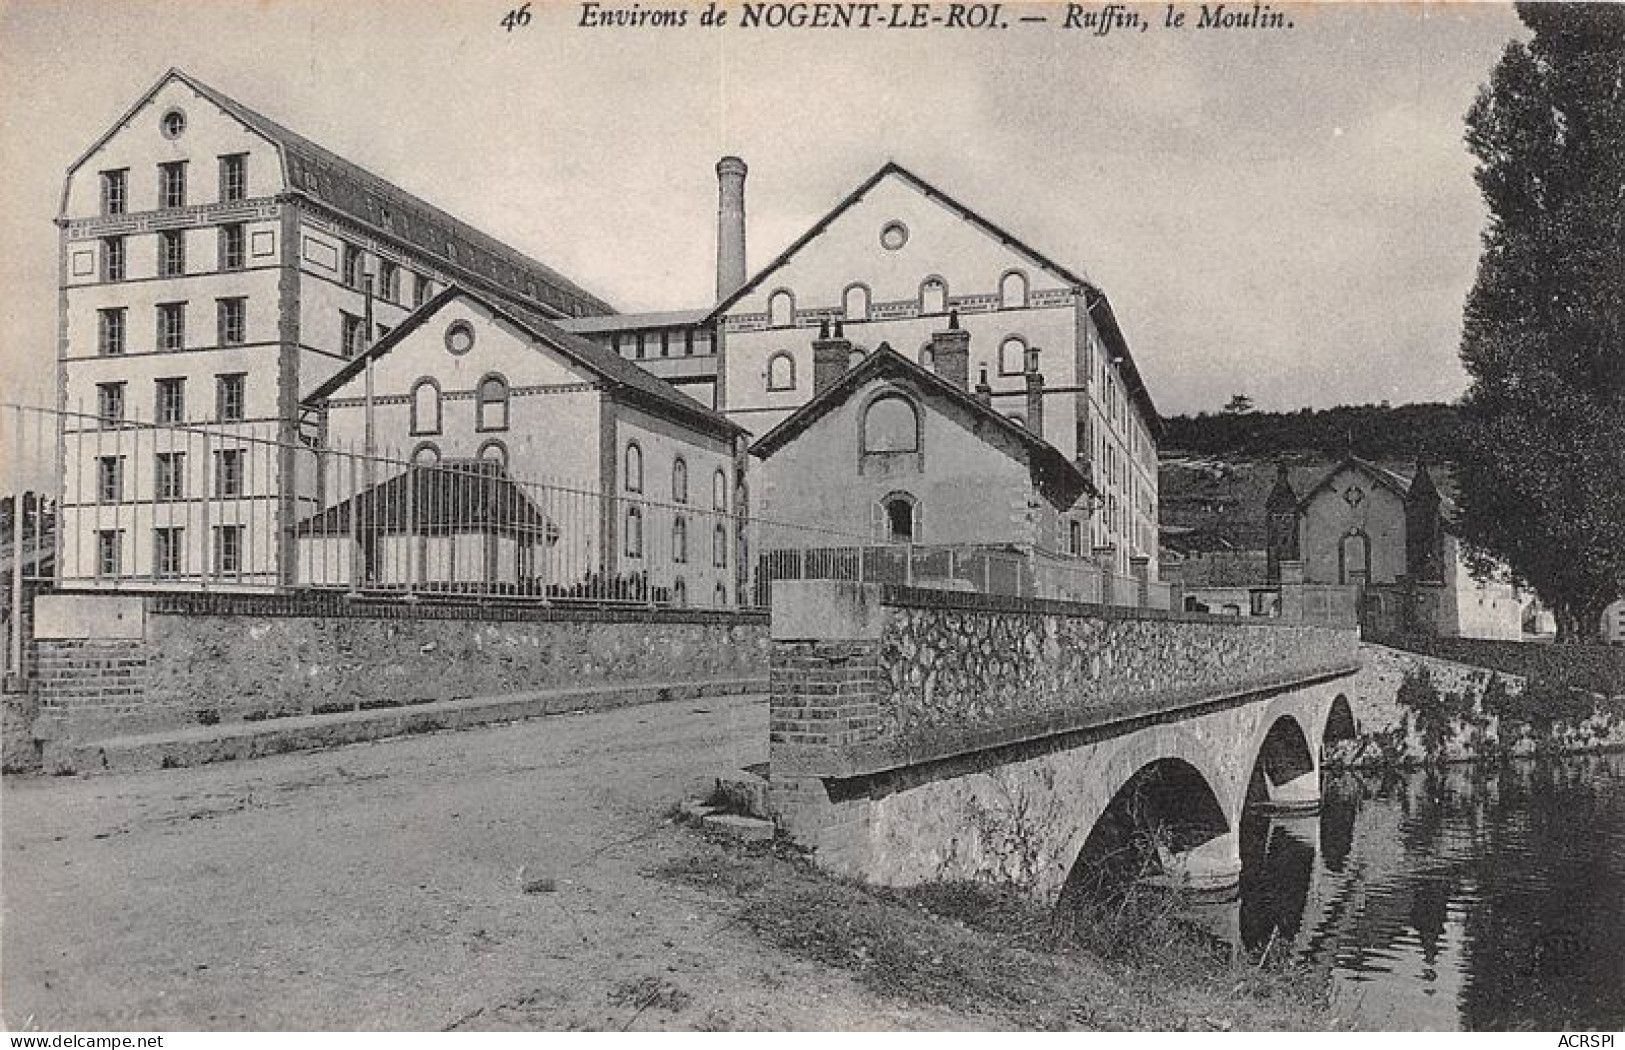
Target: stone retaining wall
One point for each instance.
(1388, 733)
(113, 665)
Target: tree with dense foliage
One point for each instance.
(1541, 473)
(1240, 404)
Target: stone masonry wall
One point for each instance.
(931, 674)
(1387, 733)
(225, 658)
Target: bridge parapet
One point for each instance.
(868, 678)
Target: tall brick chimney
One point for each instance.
(950, 353)
(1035, 393)
(730, 226)
(830, 357)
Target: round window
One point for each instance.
(459, 337)
(893, 236)
(173, 123)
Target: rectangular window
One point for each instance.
(172, 253)
(228, 549)
(171, 404)
(232, 318)
(230, 397)
(110, 331)
(167, 551)
(233, 177)
(228, 473)
(420, 290)
(171, 326)
(353, 272)
(115, 191)
(110, 403)
(172, 184)
(389, 282)
(109, 479)
(112, 258)
(353, 334)
(169, 475)
(232, 240)
(109, 552)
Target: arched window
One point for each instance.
(719, 490)
(720, 596)
(634, 467)
(934, 296)
(855, 358)
(679, 540)
(1013, 356)
(425, 406)
(494, 451)
(928, 357)
(891, 425)
(719, 546)
(856, 303)
(491, 408)
(781, 371)
(781, 309)
(897, 518)
(426, 455)
(679, 593)
(679, 480)
(1017, 418)
(1013, 290)
(634, 532)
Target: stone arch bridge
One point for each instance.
(920, 735)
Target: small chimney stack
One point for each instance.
(1035, 394)
(730, 226)
(950, 354)
(984, 392)
(830, 356)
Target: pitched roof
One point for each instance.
(1047, 460)
(643, 387)
(1396, 483)
(634, 322)
(453, 496)
(1099, 307)
(324, 176)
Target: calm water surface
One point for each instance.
(1468, 899)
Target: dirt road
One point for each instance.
(378, 886)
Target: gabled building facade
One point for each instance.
(892, 262)
(888, 453)
(1364, 526)
(631, 477)
(215, 267)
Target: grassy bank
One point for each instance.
(1001, 961)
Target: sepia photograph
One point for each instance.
(799, 516)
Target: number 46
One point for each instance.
(517, 18)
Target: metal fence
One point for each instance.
(129, 505)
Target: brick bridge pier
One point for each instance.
(922, 735)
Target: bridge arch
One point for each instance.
(1166, 809)
(1339, 723)
(1284, 774)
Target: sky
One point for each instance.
(1288, 214)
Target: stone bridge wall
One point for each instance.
(867, 678)
(932, 735)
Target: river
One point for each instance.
(1472, 899)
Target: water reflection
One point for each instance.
(1470, 899)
